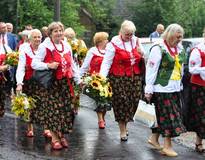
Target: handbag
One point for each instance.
(146, 114)
(44, 77)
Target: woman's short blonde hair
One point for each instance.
(171, 30)
(127, 26)
(53, 26)
(99, 37)
(69, 33)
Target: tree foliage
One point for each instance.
(188, 13)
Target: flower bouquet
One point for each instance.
(21, 106)
(98, 88)
(79, 50)
(12, 58)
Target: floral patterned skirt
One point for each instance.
(197, 111)
(126, 94)
(168, 111)
(103, 107)
(31, 89)
(53, 109)
(2, 97)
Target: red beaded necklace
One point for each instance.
(123, 42)
(100, 51)
(173, 54)
(60, 51)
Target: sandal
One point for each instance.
(154, 145)
(56, 145)
(64, 142)
(47, 134)
(29, 133)
(199, 149)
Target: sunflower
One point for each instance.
(95, 84)
(83, 51)
(99, 77)
(109, 91)
(106, 91)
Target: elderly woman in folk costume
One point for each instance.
(24, 74)
(92, 63)
(196, 110)
(57, 114)
(164, 72)
(123, 64)
(79, 50)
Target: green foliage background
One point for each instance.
(146, 14)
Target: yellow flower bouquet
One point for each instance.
(12, 58)
(98, 88)
(21, 106)
(78, 49)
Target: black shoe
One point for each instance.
(127, 133)
(123, 139)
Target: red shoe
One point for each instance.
(29, 133)
(101, 124)
(47, 134)
(56, 145)
(64, 142)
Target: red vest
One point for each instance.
(121, 65)
(64, 69)
(95, 64)
(196, 79)
(29, 70)
(2, 58)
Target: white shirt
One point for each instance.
(152, 68)
(86, 63)
(38, 64)
(20, 72)
(4, 38)
(195, 61)
(110, 52)
(2, 50)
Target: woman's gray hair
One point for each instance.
(127, 26)
(171, 30)
(34, 31)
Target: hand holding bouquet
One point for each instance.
(12, 58)
(98, 88)
(21, 106)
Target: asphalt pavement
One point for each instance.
(86, 142)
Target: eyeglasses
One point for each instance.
(128, 34)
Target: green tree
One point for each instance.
(34, 12)
(188, 13)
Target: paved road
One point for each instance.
(86, 142)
